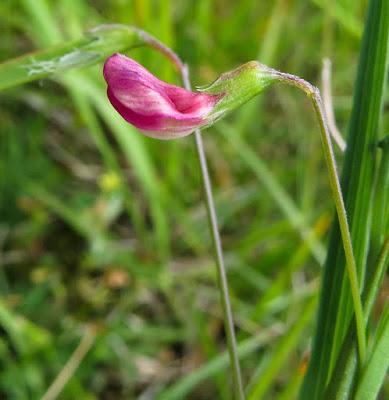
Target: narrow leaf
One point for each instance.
(375, 369)
(335, 311)
(93, 47)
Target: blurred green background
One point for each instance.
(105, 255)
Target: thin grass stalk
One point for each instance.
(212, 217)
(221, 270)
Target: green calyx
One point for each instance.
(238, 86)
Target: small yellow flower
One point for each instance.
(109, 182)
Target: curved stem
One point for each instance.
(221, 271)
(159, 46)
(71, 365)
(314, 95)
(343, 224)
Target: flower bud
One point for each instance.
(165, 111)
(158, 109)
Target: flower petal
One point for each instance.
(135, 87)
(156, 122)
(151, 104)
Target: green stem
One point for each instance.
(221, 271)
(343, 224)
(314, 95)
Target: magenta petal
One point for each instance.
(153, 105)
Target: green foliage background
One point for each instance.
(103, 232)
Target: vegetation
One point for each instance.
(108, 286)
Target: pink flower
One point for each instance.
(155, 107)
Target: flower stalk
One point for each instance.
(314, 95)
(221, 270)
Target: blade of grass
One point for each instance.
(357, 184)
(290, 391)
(343, 376)
(349, 22)
(95, 46)
(380, 211)
(283, 350)
(46, 29)
(279, 283)
(183, 387)
(375, 369)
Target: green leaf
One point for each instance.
(93, 47)
(357, 183)
(374, 371)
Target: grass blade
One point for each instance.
(95, 46)
(282, 352)
(357, 184)
(373, 373)
(221, 362)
